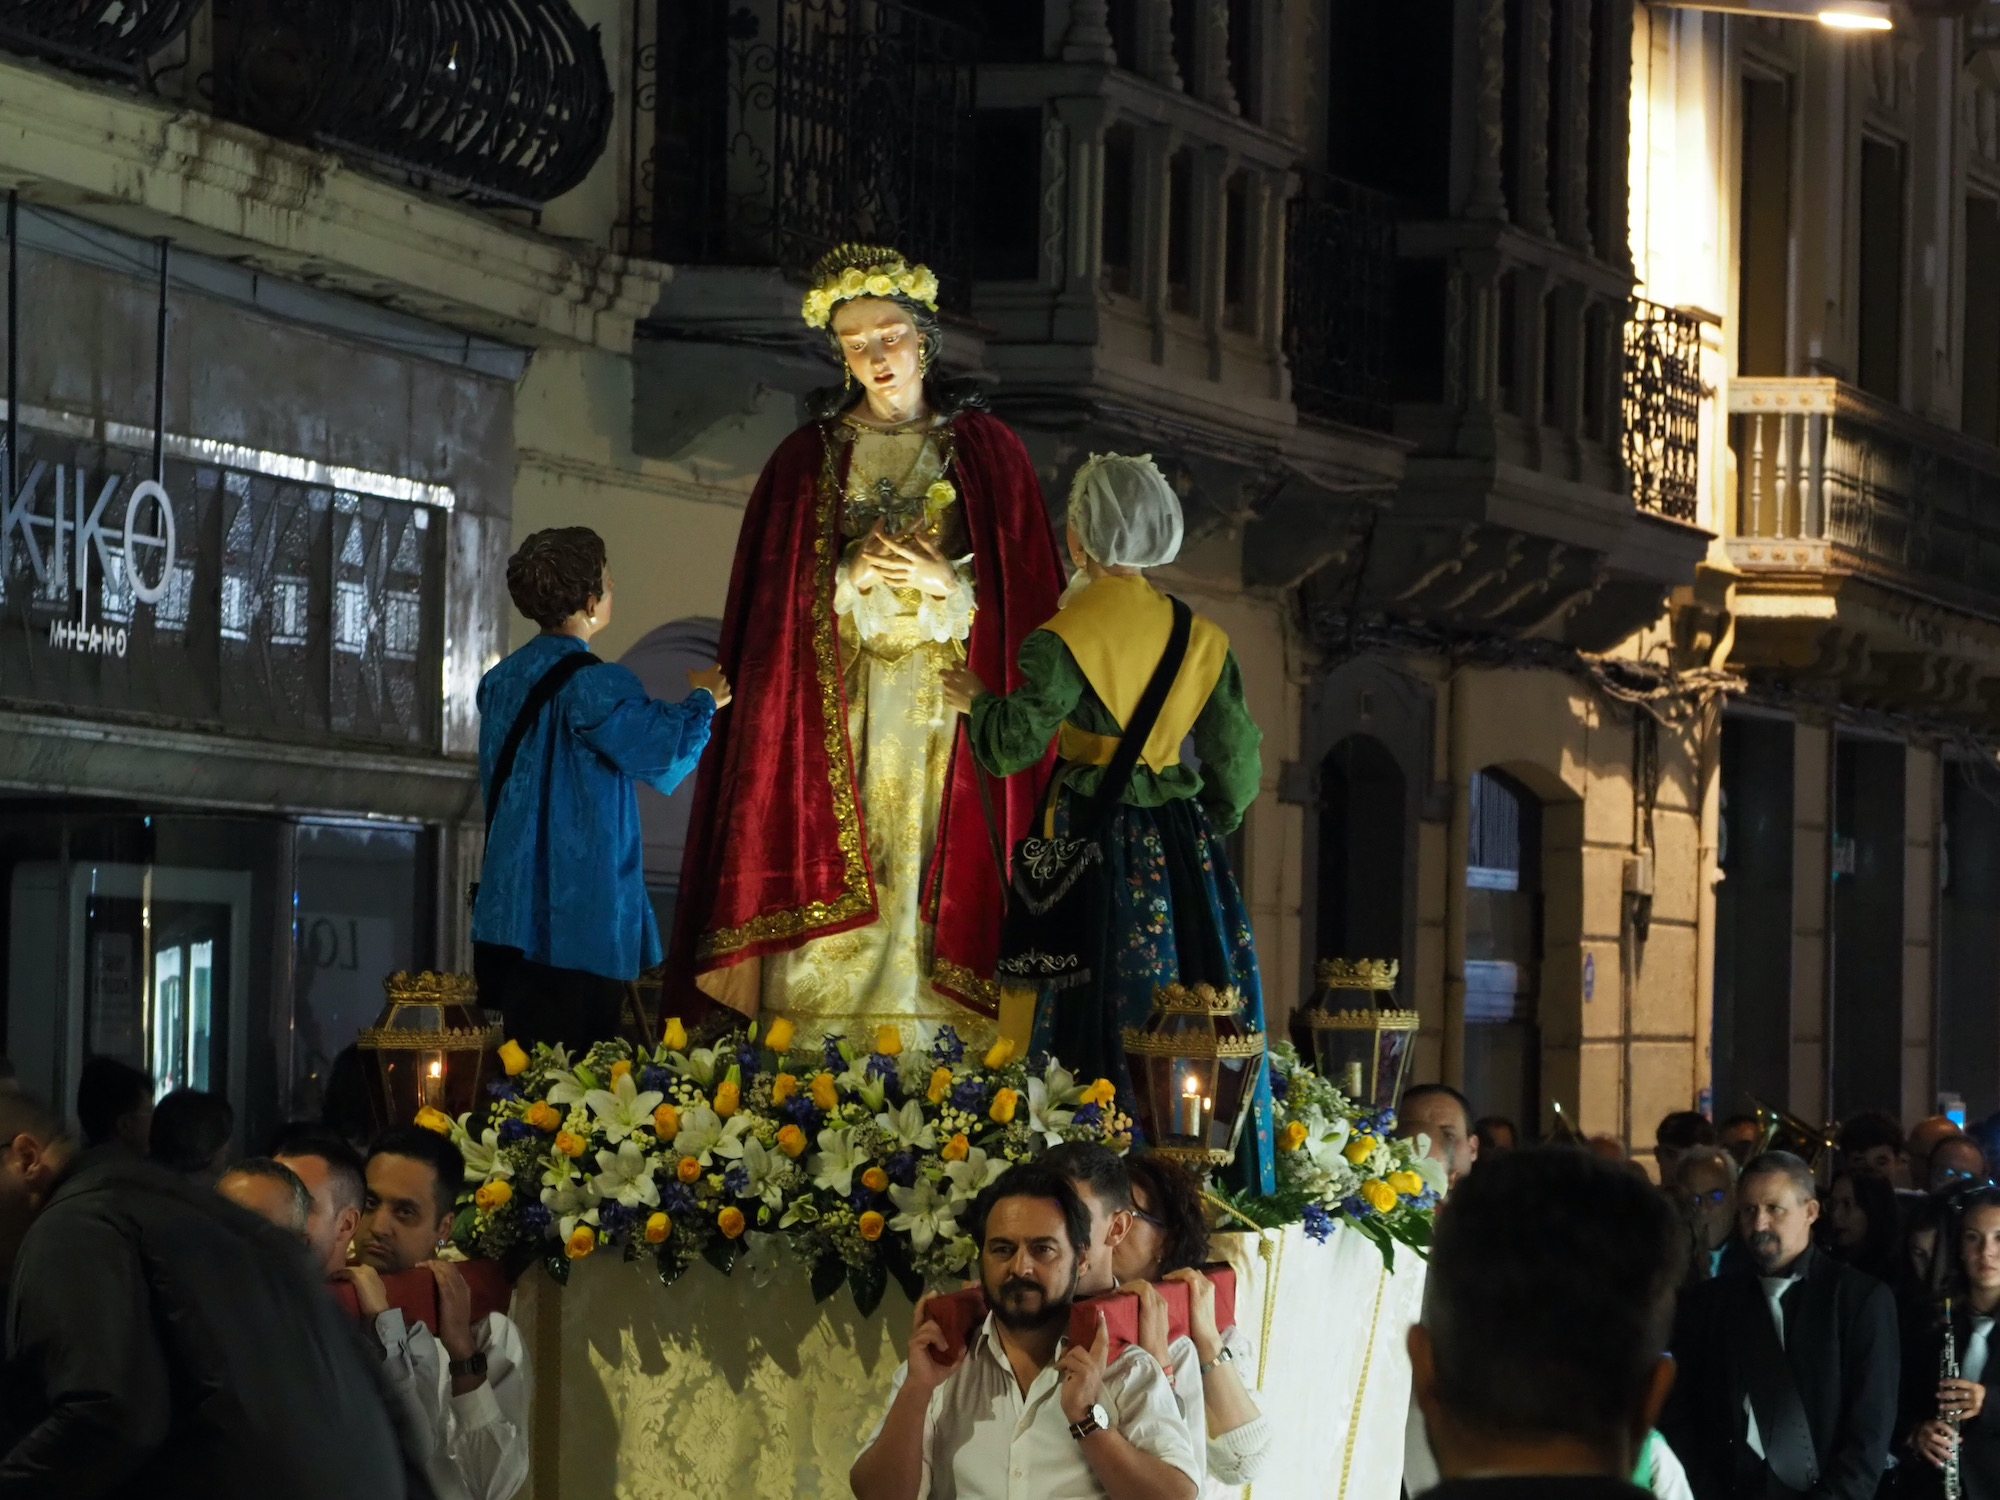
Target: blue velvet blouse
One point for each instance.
(564, 877)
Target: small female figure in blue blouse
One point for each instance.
(561, 924)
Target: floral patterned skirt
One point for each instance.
(1175, 916)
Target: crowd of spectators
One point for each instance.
(176, 1320)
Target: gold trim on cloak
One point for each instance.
(856, 897)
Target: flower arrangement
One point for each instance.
(886, 279)
(1339, 1164)
(858, 1162)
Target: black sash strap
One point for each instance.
(540, 696)
(1132, 739)
(1774, 1398)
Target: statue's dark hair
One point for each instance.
(555, 573)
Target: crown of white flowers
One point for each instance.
(851, 271)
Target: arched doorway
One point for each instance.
(1359, 911)
(1503, 949)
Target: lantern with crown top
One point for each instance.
(429, 1049)
(1351, 1037)
(1194, 1067)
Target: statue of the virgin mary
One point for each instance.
(842, 863)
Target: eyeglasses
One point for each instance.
(1713, 1195)
(1154, 1219)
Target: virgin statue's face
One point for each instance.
(885, 353)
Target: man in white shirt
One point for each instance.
(1021, 1412)
(464, 1386)
(332, 1173)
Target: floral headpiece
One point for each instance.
(864, 271)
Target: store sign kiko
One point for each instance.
(60, 527)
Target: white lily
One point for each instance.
(926, 1214)
(482, 1157)
(766, 1170)
(622, 1109)
(557, 1170)
(627, 1175)
(568, 1200)
(698, 1064)
(1433, 1174)
(969, 1178)
(1325, 1140)
(1061, 1083)
(1045, 1117)
(704, 1133)
(871, 1090)
(833, 1166)
(908, 1127)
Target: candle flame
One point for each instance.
(1192, 1086)
(437, 1068)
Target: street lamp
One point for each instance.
(1837, 15)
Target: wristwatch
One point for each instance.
(1225, 1353)
(475, 1365)
(1097, 1419)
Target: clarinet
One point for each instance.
(1948, 1370)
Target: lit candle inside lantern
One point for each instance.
(434, 1082)
(1188, 1116)
(1352, 1083)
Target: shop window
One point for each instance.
(1979, 343)
(1362, 804)
(1503, 945)
(1007, 207)
(1118, 208)
(1388, 98)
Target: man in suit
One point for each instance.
(1788, 1367)
(1540, 1363)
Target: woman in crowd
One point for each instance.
(1168, 1241)
(1861, 1224)
(1944, 1414)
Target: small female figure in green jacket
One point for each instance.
(1176, 913)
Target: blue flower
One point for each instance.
(746, 1058)
(902, 1168)
(1087, 1114)
(1281, 1084)
(654, 1079)
(861, 1200)
(676, 1197)
(1355, 1206)
(613, 1216)
(829, 1054)
(948, 1047)
(881, 1065)
(803, 1113)
(1038, 1064)
(514, 1130)
(737, 1180)
(502, 1088)
(1318, 1223)
(969, 1095)
(534, 1219)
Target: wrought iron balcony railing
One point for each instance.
(1829, 477)
(1662, 409)
(1340, 301)
(765, 132)
(117, 38)
(505, 101)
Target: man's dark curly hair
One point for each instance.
(1174, 1198)
(555, 573)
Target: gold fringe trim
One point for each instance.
(1361, 1390)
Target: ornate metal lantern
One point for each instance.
(431, 1048)
(1194, 1066)
(1363, 1050)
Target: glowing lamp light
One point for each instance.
(1194, 1067)
(1837, 15)
(431, 1048)
(1852, 20)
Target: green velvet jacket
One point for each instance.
(1010, 733)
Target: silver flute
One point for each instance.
(1948, 1370)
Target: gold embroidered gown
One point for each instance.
(895, 645)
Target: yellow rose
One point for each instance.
(730, 1222)
(1104, 1091)
(582, 1240)
(852, 282)
(879, 285)
(676, 1038)
(941, 492)
(689, 1169)
(778, 1035)
(569, 1145)
(1360, 1149)
(728, 1098)
(493, 1194)
(1409, 1184)
(940, 1085)
(824, 1094)
(783, 1087)
(791, 1140)
(1381, 1197)
(543, 1116)
(956, 1148)
(619, 1069)
(875, 1180)
(666, 1122)
(923, 285)
(888, 1041)
(512, 1058)
(658, 1227)
(998, 1054)
(1292, 1137)
(434, 1119)
(871, 1225)
(1003, 1106)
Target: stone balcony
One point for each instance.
(1868, 541)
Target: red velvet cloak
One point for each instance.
(775, 853)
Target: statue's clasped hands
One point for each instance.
(911, 561)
